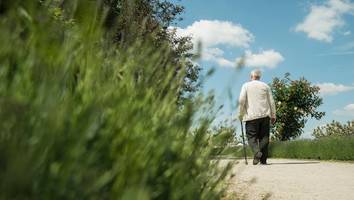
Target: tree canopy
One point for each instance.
(296, 101)
(127, 22)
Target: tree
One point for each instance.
(334, 128)
(127, 22)
(296, 101)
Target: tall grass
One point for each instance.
(328, 148)
(83, 119)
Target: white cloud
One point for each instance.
(215, 55)
(340, 53)
(333, 89)
(346, 33)
(349, 107)
(214, 32)
(267, 58)
(342, 50)
(348, 110)
(322, 20)
(346, 47)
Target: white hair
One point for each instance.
(256, 73)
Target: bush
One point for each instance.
(83, 119)
(334, 129)
(296, 101)
(223, 134)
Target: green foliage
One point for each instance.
(223, 134)
(327, 148)
(128, 20)
(84, 119)
(296, 101)
(334, 129)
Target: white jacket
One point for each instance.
(256, 101)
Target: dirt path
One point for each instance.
(286, 179)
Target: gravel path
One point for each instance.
(285, 179)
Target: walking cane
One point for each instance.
(244, 145)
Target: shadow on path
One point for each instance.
(295, 163)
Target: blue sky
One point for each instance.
(314, 39)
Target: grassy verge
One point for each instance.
(331, 148)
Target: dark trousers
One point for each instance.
(258, 136)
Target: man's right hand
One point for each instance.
(273, 120)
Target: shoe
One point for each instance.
(264, 163)
(257, 157)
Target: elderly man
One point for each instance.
(257, 109)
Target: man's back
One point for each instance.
(256, 100)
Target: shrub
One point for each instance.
(296, 100)
(334, 129)
(223, 134)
